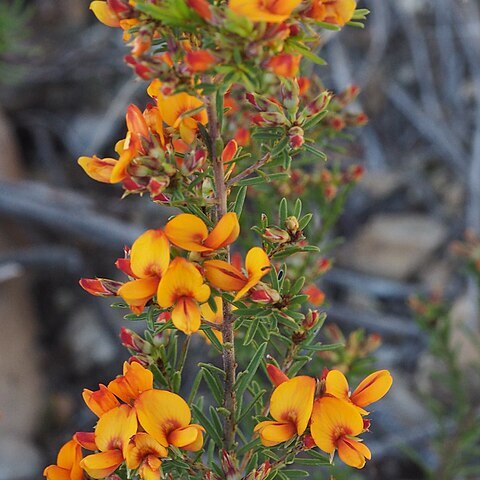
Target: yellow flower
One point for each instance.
(100, 401)
(68, 463)
(371, 389)
(100, 169)
(144, 453)
(338, 12)
(291, 407)
(274, 11)
(149, 260)
(226, 277)
(190, 232)
(335, 426)
(135, 380)
(175, 109)
(183, 289)
(166, 417)
(112, 434)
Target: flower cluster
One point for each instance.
(180, 285)
(136, 426)
(334, 416)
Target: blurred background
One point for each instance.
(63, 92)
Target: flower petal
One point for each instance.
(101, 465)
(100, 401)
(292, 401)
(100, 169)
(140, 447)
(372, 388)
(54, 472)
(135, 380)
(353, 453)
(150, 254)
(138, 292)
(273, 433)
(337, 385)
(187, 231)
(104, 13)
(115, 428)
(160, 412)
(224, 276)
(225, 232)
(186, 315)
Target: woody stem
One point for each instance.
(228, 354)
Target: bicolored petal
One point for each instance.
(86, 440)
(333, 418)
(197, 444)
(292, 402)
(353, 452)
(224, 276)
(372, 388)
(104, 13)
(135, 380)
(257, 265)
(182, 279)
(103, 464)
(150, 254)
(225, 232)
(337, 385)
(119, 171)
(115, 428)
(137, 293)
(140, 447)
(136, 122)
(186, 315)
(161, 412)
(100, 169)
(273, 11)
(100, 401)
(273, 433)
(69, 458)
(187, 231)
(54, 472)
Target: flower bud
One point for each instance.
(121, 7)
(296, 141)
(229, 151)
(202, 7)
(228, 466)
(140, 358)
(291, 96)
(276, 235)
(133, 341)
(100, 287)
(158, 184)
(123, 264)
(311, 319)
(318, 105)
(315, 295)
(324, 265)
(277, 377)
(273, 118)
(199, 60)
(308, 441)
(262, 293)
(292, 225)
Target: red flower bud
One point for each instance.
(123, 264)
(100, 287)
(202, 7)
(308, 441)
(277, 377)
(133, 341)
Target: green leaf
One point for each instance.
(213, 339)
(248, 374)
(283, 211)
(323, 348)
(240, 200)
(208, 425)
(306, 52)
(251, 331)
(214, 385)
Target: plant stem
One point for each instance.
(228, 355)
(258, 164)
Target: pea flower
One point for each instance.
(225, 276)
(335, 426)
(112, 434)
(68, 463)
(149, 260)
(144, 453)
(166, 417)
(371, 389)
(135, 380)
(182, 287)
(273, 11)
(291, 407)
(100, 401)
(189, 232)
(338, 12)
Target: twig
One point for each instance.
(249, 170)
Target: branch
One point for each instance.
(249, 170)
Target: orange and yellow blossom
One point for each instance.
(112, 435)
(291, 407)
(144, 453)
(370, 390)
(174, 109)
(135, 380)
(68, 463)
(100, 401)
(166, 417)
(273, 11)
(338, 12)
(149, 261)
(285, 64)
(183, 288)
(335, 425)
(225, 276)
(189, 232)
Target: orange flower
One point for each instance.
(112, 434)
(149, 260)
(291, 407)
(285, 64)
(338, 12)
(226, 277)
(175, 111)
(100, 169)
(370, 390)
(315, 295)
(101, 401)
(335, 426)
(274, 11)
(68, 463)
(190, 232)
(135, 380)
(144, 453)
(166, 417)
(199, 60)
(183, 289)
(105, 14)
